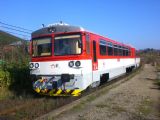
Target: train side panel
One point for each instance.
(116, 67)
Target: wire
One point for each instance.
(15, 26)
(21, 32)
(15, 29)
(16, 33)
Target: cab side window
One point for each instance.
(87, 44)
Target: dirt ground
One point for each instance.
(135, 99)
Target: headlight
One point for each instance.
(71, 64)
(78, 63)
(51, 29)
(36, 65)
(31, 65)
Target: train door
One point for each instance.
(94, 57)
(95, 75)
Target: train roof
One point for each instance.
(56, 28)
(63, 27)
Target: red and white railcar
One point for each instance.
(66, 60)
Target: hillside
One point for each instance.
(6, 38)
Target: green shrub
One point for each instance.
(20, 78)
(15, 76)
(4, 78)
(159, 82)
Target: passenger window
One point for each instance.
(127, 52)
(115, 50)
(103, 47)
(124, 52)
(120, 51)
(110, 49)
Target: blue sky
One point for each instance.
(135, 22)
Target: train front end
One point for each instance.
(58, 62)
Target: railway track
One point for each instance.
(31, 108)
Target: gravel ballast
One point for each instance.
(134, 99)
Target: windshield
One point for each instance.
(42, 47)
(67, 45)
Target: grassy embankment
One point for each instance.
(152, 57)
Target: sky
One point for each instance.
(133, 22)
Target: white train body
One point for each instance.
(92, 59)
